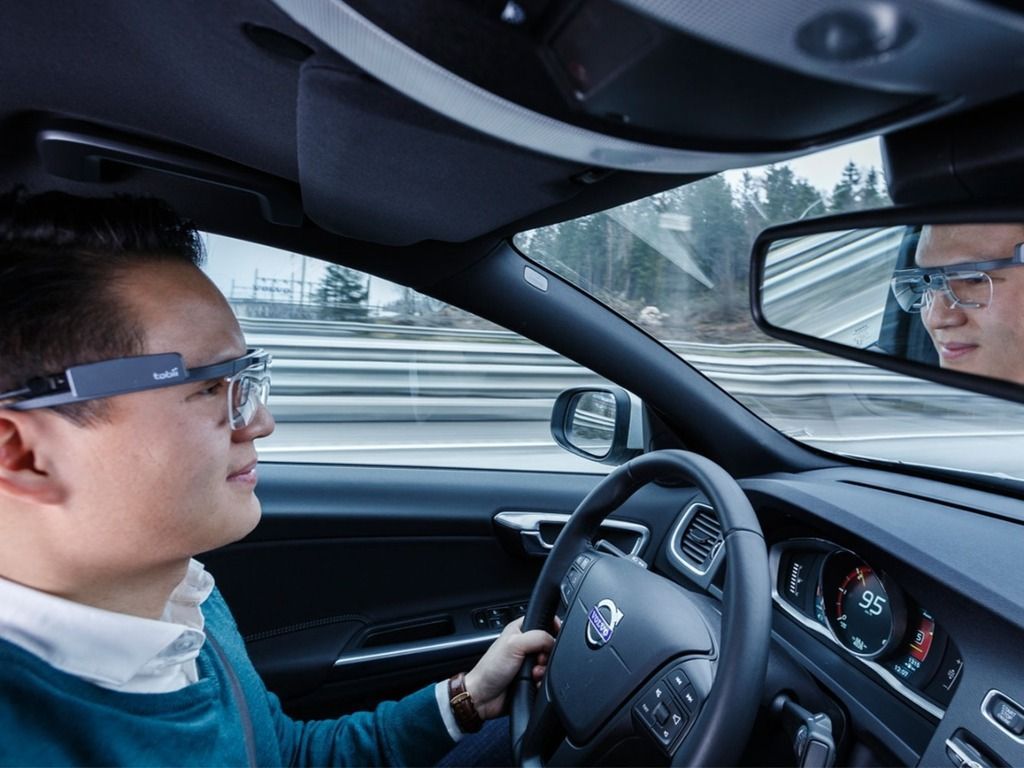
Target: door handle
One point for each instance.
(533, 534)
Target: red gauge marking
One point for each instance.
(857, 574)
(921, 643)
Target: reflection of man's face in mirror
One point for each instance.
(988, 340)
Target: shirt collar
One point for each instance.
(105, 647)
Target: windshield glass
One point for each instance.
(677, 263)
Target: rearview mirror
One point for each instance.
(937, 294)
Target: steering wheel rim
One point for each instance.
(723, 722)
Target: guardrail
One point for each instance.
(337, 372)
(833, 285)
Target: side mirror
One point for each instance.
(604, 425)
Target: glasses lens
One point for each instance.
(910, 291)
(248, 390)
(969, 290)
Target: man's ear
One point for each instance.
(21, 476)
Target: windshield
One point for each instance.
(677, 263)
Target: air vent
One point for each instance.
(701, 538)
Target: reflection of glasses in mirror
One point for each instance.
(963, 286)
(963, 290)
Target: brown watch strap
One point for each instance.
(461, 702)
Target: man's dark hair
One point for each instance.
(60, 256)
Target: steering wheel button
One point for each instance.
(649, 703)
(666, 730)
(689, 698)
(566, 591)
(643, 711)
(677, 680)
(661, 714)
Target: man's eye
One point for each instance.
(213, 388)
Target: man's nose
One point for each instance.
(941, 311)
(262, 424)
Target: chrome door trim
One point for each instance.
(410, 649)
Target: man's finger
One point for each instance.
(534, 641)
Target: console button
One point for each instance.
(1007, 714)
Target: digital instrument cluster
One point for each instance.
(834, 592)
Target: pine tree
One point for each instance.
(846, 194)
(786, 195)
(342, 294)
(872, 193)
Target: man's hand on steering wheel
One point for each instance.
(488, 681)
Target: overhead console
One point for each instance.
(675, 87)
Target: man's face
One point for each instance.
(988, 341)
(167, 477)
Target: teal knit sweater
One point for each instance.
(48, 717)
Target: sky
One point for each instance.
(821, 169)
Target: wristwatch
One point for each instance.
(466, 716)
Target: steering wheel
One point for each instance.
(636, 657)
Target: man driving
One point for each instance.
(970, 296)
(129, 409)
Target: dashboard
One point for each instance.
(899, 609)
(835, 593)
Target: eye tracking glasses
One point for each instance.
(248, 379)
(966, 285)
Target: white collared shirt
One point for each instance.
(113, 650)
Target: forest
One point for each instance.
(676, 262)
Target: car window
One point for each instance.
(677, 263)
(369, 372)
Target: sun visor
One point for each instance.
(376, 166)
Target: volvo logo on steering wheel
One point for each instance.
(601, 623)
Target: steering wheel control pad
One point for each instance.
(667, 706)
(611, 638)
